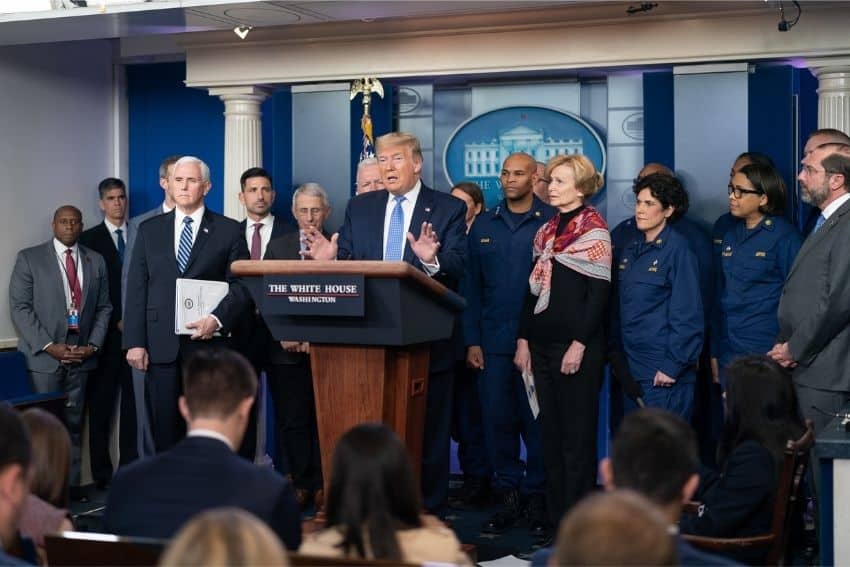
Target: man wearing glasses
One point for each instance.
(814, 337)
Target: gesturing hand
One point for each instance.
(426, 246)
(319, 247)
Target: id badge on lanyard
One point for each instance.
(73, 318)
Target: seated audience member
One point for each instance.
(615, 528)
(223, 537)
(154, 497)
(654, 453)
(15, 459)
(46, 507)
(373, 508)
(761, 416)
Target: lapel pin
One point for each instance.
(427, 209)
(206, 229)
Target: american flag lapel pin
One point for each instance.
(206, 229)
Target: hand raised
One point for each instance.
(426, 246)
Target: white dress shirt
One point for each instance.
(60, 257)
(834, 206)
(210, 434)
(407, 207)
(265, 233)
(178, 226)
(111, 228)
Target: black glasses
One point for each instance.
(740, 191)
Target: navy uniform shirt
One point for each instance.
(499, 263)
(754, 264)
(658, 318)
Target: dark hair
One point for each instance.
(836, 136)
(166, 163)
(838, 163)
(372, 491)
(668, 190)
(654, 452)
(766, 179)
(254, 172)
(51, 456)
(216, 381)
(757, 158)
(110, 183)
(14, 440)
(761, 406)
(473, 190)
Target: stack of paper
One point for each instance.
(194, 300)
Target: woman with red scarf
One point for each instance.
(561, 336)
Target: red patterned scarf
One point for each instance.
(583, 246)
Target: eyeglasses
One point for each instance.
(740, 191)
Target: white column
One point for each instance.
(833, 75)
(243, 143)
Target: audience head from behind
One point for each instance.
(824, 136)
(824, 173)
(51, 456)
(654, 453)
(471, 194)
(761, 406)
(112, 195)
(257, 193)
(310, 206)
(614, 528)
(219, 386)
(222, 537)
(190, 183)
(399, 156)
(368, 176)
(67, 225)
(15, 460)
(372, 491)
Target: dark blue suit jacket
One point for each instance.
(149, 309)
(361, 236)
(154, 497)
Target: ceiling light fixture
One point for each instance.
(242, 31)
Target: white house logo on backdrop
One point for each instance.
(476, 150)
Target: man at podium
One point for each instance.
(426, 228)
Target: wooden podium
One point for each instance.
(367, 367)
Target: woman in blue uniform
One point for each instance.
(756, 254)
(657, 317)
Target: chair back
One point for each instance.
(76, 549)
(15, 381)
(301, 560)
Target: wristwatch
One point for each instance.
(94, 348)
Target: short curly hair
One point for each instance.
(667, 190)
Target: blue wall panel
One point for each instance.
(277, 149)
(658, 118)
(167, 118)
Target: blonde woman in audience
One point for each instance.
(373, 509)
(221, 537)
(45, 510)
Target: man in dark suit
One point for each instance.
(112, 373)
(290, 378)
(250, 335)
(190, 242)
(144, 437)
(154, 497)
(381, 225)
(59, 302)
(814, 337)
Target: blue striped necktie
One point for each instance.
(395, 234)
(185, 248)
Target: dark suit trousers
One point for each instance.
(291, 387)
(569, 411)
(436, 441)
(111, 376)
(164, 385)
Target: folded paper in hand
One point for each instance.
(531, 392)
(195, 299)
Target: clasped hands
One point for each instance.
(781, 353)
(320, 248)
(69, 354)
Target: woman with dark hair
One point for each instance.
(561, 337)
(726, 220)
(471, 194)
(373, 508)
(761, 416)
(756, 254)
(657, 316)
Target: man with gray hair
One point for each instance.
(369, 176)
(189, 242)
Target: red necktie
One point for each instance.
(256, 243)
(73, 280)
